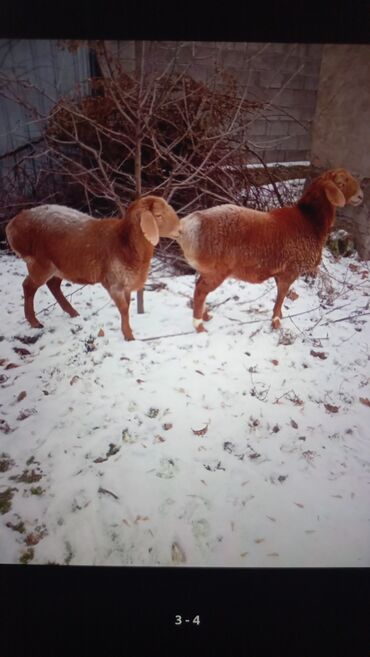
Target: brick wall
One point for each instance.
(284, 76)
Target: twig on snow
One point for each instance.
(169, 335)
(107, 492)
(342, 319)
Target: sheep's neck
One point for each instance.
(134, 242)
(319, 212)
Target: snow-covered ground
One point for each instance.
(242, 446)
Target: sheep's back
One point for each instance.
(56, 235)
(225, 232)
(248, 244)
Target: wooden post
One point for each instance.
(139, 64)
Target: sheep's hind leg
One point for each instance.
(29, 289)
(54, 287)
(204, 285)
(38, 275)
(283, 284)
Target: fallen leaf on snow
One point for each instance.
(27, 477)
(101, 333)
(200, 432)
(273, 554)
(34, 537)
(153, 412)
(11, 366)
(126, 436)
(199, 372)
(332, 409)
(21, 396)
(167, 426)
(365, 401)
(318, 354)
(6, 463)
(301, 506)
(21, 351)
(113, 449)
(275, 362)
(140, 519)
(292, 295)
(177, 554)
(259, 540)
(229, 447)
(28, 339)
(74, 379)
(214, 468)
(4, 427)
(286, 337)
(23, 415)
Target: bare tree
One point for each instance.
(146, 128)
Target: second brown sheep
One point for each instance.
(249, 245)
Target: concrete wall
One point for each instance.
(341, 129)
(50, 73)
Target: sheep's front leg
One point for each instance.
(122, 298)
(283, 284)
(203, 286)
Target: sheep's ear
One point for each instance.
(334, 195)
(149, 227)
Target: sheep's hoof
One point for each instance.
(276, 323)
(36, 324)
(74, 313)
(200, 329)
(207, 317)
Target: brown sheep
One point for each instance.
(249, 245)
(58, 243)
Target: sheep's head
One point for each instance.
(341, 188)
(157, 218)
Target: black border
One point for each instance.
(61, 611)
(52, 611)
(287, 21)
